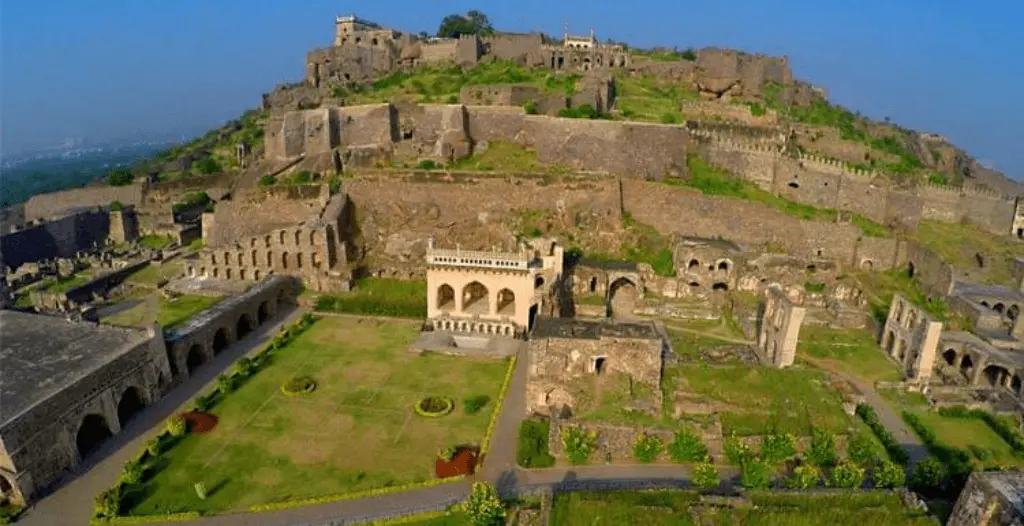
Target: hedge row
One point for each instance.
(284, 505)
(1001, 428)
(956, 460)
(895, 450)
(497, 409)
(109, 502)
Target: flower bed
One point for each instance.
(434, 406)
(462, 463)
(199, 422)
(300, 385)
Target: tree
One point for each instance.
(472, 23)
(119, 177)
(889, 475)
(484, 507)
(928, 476)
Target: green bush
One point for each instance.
(208, 165)
(776, 448)
(687, 447)
(532, 445)
(646, 448)
(980, 453)
(956, 461)
(688, 54)
(928, 477)
(205, 403)
(120, 177)
(177, 427)
(473, 404)
(484, 507)
(298, 386)
(812, 286)
(116, 206)
(579, 444)
(823, 448)
(245, 367)
(200, 490)
(108, 503)
(756, 109)
(736, 452)
(705, 476)
(268, 180)
(755, 474)
(427, 164)
(225, 383)
(845, 475)
(889, 475)
(895, 450)
(803, 477)
(133, 472)
(530, 108)
(671, 118)
(584, 111)
(861, 450)
(446, 454)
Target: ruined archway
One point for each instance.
(719, 285)
(538, 282)
(967, 365)
(194, 359)
(243, 326)
(902, 350)
(475, 298)
(446, 298)
(693, 266)
(866, 264)
(93, 431)
(911, 269)
(506, 302)
(6, 489)
(995, 375)
(888, 341)
(622, 296)
(130, 404)
(1013, 312)
(949, 355)
(999, 307)
(593, 285)
(220, 340)
(263, 313)
(1015, 384)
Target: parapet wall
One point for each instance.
(46, 206)
(62, 238)
(256, 211)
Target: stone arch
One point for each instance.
(312, 238)
(280, 237)
(901, 350)
(475, 298)
(240, 259)
(284, 260)
(254, 263)
(92, 432)
(899, 312)
(967, 365)
(6, 487)
(995, 375)
(593, 284)
(129, 405)
(506, 302)
(724, 265)
(949, 355)
(1015, 384)
(266, 240)
(202, 272)
(263, 313)
(243, 326)
(298, 237)
(538, 282)
(220, 340)
(600, 364)
(298, 260)
(720, 285)
(446, 298)
(256, 275)
(999, 307)
(622, 296)
(241, 274)
(227, 273)
(693, 265)
(227, 257)
(1013, 312)
(985, 304)
(867, 264)
(213, 258)
(216, 272)
(270, 258)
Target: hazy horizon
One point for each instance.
(120, 69)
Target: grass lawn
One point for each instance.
(648, 99)
(689, 345)
(852, 351)
(681, 508)
(900, 399)
(153, 274)
(454, 518)
(61, 285)
(507, 156)
(757, 399)
(356, 431)
(170, 312)
(965, 432)
(958, 243)
(155, 242)
(606, 398)
(380, 297)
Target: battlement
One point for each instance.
(835, 165)
(736, 142)
(940, 189)
(521, 260)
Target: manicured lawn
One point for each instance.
(755, 400)
(900, 399)
(170, 312)
(356, 431)
(380, 297)
(451, 519)
(965, 432)
(606, 399)
(659, 508)
(154, 274)
(853, 351)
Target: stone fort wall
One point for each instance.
(62, 238)
(257, 211)
(46, 206)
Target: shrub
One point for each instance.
(108, 503)
(484, 507)
(980, 453)
(208, 165)
(823, 448)
(579, 444)
(245, 366)
(705, 476)
(452, 99)
(688, 54)
(177, 427)
(928, 476)
(132, 473)
(736, 451)
(299, 385)
(776, 448)
(646, 448)
(116, 206)
(530, 107)
(895, 450)
(119, 177)
(670, 118)
(204, 403)
(754, 474)
(268, 180)
(861, 450)
(427, 164)
(584, 111)
(225, 383)
(845, 475)
(473, 404)
(814, 286)
(532, 446)
(803, 477)
(200, 490)
(889, 475)
(434, 406)
(446, 454)
(686, 447)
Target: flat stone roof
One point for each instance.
(994, 291)
(628, 266)
(203, 318)
(551, 327)
(41, 355)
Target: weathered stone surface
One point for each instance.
(990, 499)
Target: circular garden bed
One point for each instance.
(434, 406)
(298, 386)
(199, 422)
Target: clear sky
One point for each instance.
(113, 69)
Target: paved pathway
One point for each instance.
(72, 503)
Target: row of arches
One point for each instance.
(722, 265)
(992, 375)
(492, 329)
(197, 355)
(1011, 312)
(94, 429)
(474, 298)
(268, 258)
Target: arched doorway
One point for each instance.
(911, 269)
(888, 342)
(220, 340)
(263, 313)
(131, 403)
(1013, 312)
(622, 296)
(949, 355)
(538, 282)
(194, 359)
(967, 366)
(243, 327)
(999, 307)
(996, 375)
(599, 364)
(475, 298)
(720, 286)
(1015, 384)
(446, 298)
(506, 303)
(93, 431)
(593, 285)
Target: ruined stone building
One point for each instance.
(780, 329)
(489, 293)
(562, 350)
(990, 499)
(910, 337)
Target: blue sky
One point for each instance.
(116, 69)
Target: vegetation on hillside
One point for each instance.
(472, 23)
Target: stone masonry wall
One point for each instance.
(61, 238)
(44, 206)
(259, 210)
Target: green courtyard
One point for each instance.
(356, 431)
(988, 449)
(169, 311)
(850, 351)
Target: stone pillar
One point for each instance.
(976, 373)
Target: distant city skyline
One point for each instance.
(114, 70)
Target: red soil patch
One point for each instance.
(463, 463)
(198, 422)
